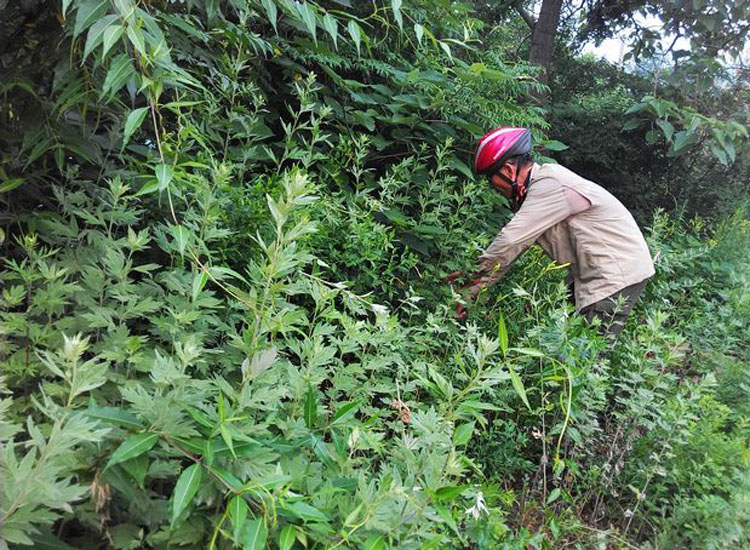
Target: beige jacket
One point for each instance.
(603, 245)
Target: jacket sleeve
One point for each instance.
(545, 206)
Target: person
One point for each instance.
(574, 220)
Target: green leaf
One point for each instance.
(311, 407)
(719, 153)
(445, 513)
(446, 49)
(553, 496)
(89, 11)
(96, 34)
(308, 18)
(330, 25)
(256, 533)
(554, 145)
(164, 175)
(199, 281)
(182, 236)
(632, 124)
(120, 71)
(238, 511)
(65, 6)
(185, 490)
(502, 332)
(114, 415)
(374, 542)
(271, 12)
(286, 537)
(132, 447)
(463, 434)
(419, 31)
(227, 437)
(666, 127)
(345, 413)
(518, 386)
(111, 35)
(396, 6)
(133, 122)
(137, 39)
(307, 512)
(10, 184)
(356, 33)
(682, 141)
(137, 467)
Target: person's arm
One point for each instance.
(545, 206)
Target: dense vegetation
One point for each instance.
(224, 316)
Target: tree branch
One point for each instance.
(524, 15)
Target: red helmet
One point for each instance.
(498, 146)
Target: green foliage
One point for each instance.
(225, 322)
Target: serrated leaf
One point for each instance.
(307, 14)
(133, 122)
(286, 537)
(502, 333)
(164, 174)
(518, 386)
(95, 35)
(238, 511)
(463, 433)
(185, 490)
(120, 71)
(89, 11)
(356, 33)
(256, 533)
(271, 12)
(132, 447)
(331, 25)
(311, 407)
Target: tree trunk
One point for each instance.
(543, 36)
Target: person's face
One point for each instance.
(502, 186)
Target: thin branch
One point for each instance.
(524, 15)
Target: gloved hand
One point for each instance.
(474, 286)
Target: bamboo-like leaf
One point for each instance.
(120, 71)
(419, 31)
(331, 25)
(132, 447)
(311, 407)
(135, 35)
(374, 542)
(182, 237)
(238, 510)
(518, 386)
(89, 11)
(111, 35)
(164, 175)
(307, 14)
(356, 33)
(133, 122)
(286, 537)
(95, 35)
(199, 281)
(185, 489)
(271, 12)
(502, 333)
(396, 6)
(256, 533)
